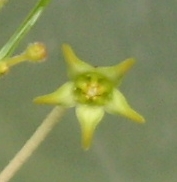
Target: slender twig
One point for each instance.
(32, 144)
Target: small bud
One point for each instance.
(3, 68)
(2, 3)
(36, 52)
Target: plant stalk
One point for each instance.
(31, 145)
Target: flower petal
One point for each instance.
(76, 66)
(89, 117)
(118, 104)
(63, 96)
(115, 73)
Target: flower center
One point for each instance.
(92, 88)
(92, 91)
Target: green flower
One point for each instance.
(92, 90)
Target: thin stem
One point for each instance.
(15, 60)
(32, 144)
(28, 23)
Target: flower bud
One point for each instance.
(3, 68)
(2, 3)
(36, 52)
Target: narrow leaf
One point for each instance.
(31, 19)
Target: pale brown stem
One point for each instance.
(31, 145)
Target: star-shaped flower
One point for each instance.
(92, 90)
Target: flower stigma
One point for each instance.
(92, 88)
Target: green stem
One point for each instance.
(10, 46)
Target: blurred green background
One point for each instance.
(103, 33)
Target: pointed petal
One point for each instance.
(89, 117)
(118, 104)
(63, 96)
(115, 73)
(76, 66)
